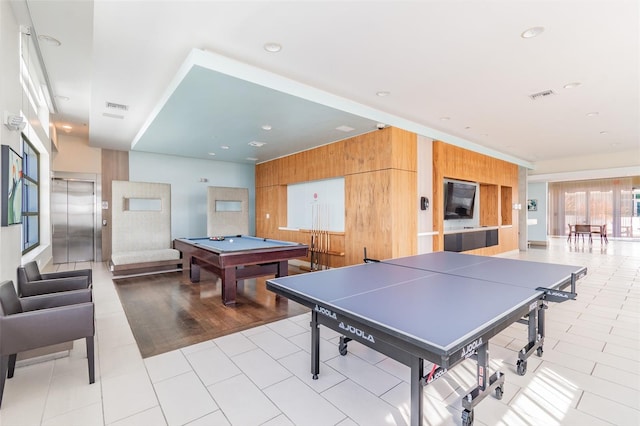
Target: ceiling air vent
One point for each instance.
(119, 107)
(543, 94)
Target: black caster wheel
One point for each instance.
(315, 377)
(342, 348)
(499, 392)
(467, 418)
(539, 351)
(521, 367)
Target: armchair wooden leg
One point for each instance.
(12, 365)
(90, 360)
(4, 364)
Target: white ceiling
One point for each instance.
(195, 75)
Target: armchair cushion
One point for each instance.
(54, 300)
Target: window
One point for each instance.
(30, 196)
(595, 202)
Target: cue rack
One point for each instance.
(320, 238)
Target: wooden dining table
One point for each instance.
(588, 229)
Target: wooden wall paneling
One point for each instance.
(267, 174)
(404, 149)
(380, 175)
(458, 163)
(269, 198)
(115, 166)
(368, 152)
(327, 161)
(488, 205)
(292, 169)
(437, 199)
(506, 209)
(368, 220)
(324, 162)
(404, 212)
(509, 234)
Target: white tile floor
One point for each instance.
(589, 374)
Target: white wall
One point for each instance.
(425, 189)
(188, 193)
(75, 155)
(537, 191)
(11, 101)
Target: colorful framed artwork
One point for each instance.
(532, 205)
(11, 186)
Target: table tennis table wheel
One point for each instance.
(521, 367)
(342, 345)
(499, 392)
(467, 417)
(539, 351)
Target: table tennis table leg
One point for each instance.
(535, 323)
(485, 384)
(315, 345)
(417, 367)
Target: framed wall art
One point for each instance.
(11, 186)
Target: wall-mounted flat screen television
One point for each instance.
(459, 200)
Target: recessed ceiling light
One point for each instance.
(383, 93)
(211, 153)
(572, 85)
(266, 127)
(532, 32)
(345, 128)
(224, 147)
(49, 41)
(445, 118)
(593, 114)
(252, 159)
(272, 47)
(257, 144)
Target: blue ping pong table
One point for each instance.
(441, 307)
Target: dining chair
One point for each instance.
(581, 231)
(570, 232)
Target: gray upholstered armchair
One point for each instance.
(44, 320)
(31, 282)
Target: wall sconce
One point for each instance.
(14, 122)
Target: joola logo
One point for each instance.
(351, 329)
(470, 349)
(558, 294)
(439, 372)
(325, 312)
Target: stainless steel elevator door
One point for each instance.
(73, 217)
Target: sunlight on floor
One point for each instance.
(545, 400)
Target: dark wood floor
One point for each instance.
(166, 314)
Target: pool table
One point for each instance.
(235, 258)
